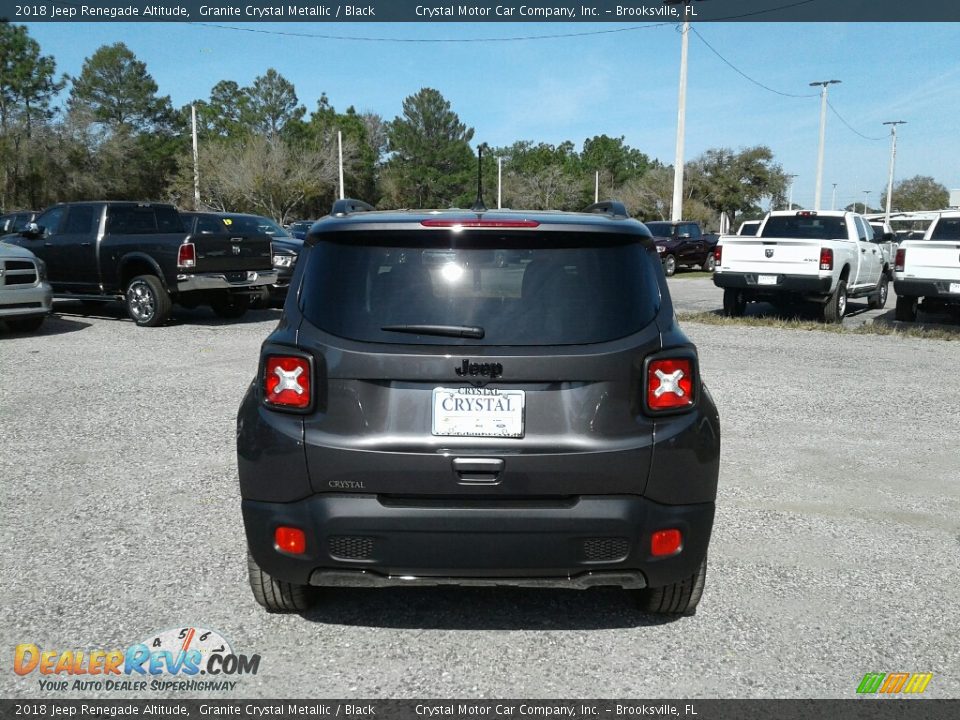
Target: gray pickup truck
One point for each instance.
(141, 254)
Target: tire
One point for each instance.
(680, 598)
(734, 304)
(906, 308)
(669, 265)
(276, 596)
(710, 264)
(27, 324)
(230, 307)
(879, 298)
(836, 306)
(148, 303)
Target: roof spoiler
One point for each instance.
(348, 206)
(613, 208)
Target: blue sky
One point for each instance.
(618, 83)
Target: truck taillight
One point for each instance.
(826, 259)
(670, 384)
(287, 382)
(187, 256)
(718, 254)
(901, 260)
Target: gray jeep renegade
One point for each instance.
(478, 397)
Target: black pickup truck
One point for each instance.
(140, 253)
(682, 244)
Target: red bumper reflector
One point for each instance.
(290, 540)
(666, 542)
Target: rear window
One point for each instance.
(524, 289)
(811, 227)
(946, 229)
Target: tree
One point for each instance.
(616, 162)
(116, 90)
(920, 192)
(539, 176)
(271, 103)
(735, 182)
(431, 163)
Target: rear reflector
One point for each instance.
(290, 540)
(480, 223)
(670, 384)
(187, 256)
(901, 260)
(286, 382)
(826, 259)
(666, 542)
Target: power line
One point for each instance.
(850, 127)
(743, 74)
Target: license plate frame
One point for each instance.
(481, 412)
(766, 279)
(954, 288)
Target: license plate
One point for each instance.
(478, 412)
(955, 287)
(766, 280)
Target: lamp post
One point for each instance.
(823, 130)
(865, 193)
(790, 191)
(833, 198)
(893, 156)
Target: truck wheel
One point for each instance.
(836, 306)
(275, 595)
(148, 303)
(906, 309)
(669, 265)
(230, 307)
(27, 324)
(734, 304)
(709, 264)
(679, 598)
(879, 298)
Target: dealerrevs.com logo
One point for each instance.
(181, 659)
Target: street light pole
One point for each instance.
(790, 191)
(833, 198)
(865, 193)
(893, 156)
(823, 130)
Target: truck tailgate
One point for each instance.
(932, 259)
(231, 252)
(776, 256)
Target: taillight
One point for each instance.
(717, 254)
(287, 382)
(901, 260)
(187, 256)
(670, 384)
(826, 259)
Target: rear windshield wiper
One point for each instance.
(464, 331)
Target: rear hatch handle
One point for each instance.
(478, 471)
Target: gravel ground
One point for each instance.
(835, 549)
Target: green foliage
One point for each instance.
(920, 192)
(735, 182)
(271, 103)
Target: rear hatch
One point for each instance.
(239, 245)
(481, 362)
(937, 258)
(787, 245)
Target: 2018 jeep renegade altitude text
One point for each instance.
(494, 397)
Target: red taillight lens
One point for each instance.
(666, 542)
(290, 540)
(286, 382)
(718, 254)
(187, 256)
(670, 384)
(901, 260)
(826, 259)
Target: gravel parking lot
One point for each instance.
(835, 551)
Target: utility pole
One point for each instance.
(893, 156)
(196, 159)
(596, 187)
(340, 153)
(676, 213)
(499, 182)
(865, 193)
(790, 190)
(823, 130)
(833, 198)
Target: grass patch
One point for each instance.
(792, 323)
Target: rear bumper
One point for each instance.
(939, 289)
(239, 281)
(19, 301)
(809, 284)
(576, 542)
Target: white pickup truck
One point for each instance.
(824, 257)
(929, 268)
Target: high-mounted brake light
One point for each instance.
(826, 259)
(187, 256)
(480, 223)
(670, 384)
(901, 260)
(806, 213)
(290, 540)
(287, 382)
(717, 254)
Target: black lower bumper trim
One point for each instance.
(785, 283)
(939, 289)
